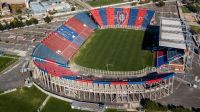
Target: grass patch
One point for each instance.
(116, 49)
(56, 105)
(114, 110)
(6, 61)
(22, 100)
(103, 2)
(195, 29)
(185, 9)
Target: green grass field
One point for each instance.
(195, 29)
(6, 61)
(56, 105)
(30, 99)
(22, 100)
(185, 9)
(115, 50)
(103, 2)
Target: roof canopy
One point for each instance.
(171, 33)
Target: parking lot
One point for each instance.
(169, 10)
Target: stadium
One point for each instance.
(112, 56)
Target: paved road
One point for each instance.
(12, 78)
(183, 95)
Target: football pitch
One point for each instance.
(115, 50)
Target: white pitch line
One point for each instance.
(10, 69)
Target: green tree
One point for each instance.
(160, 3)
(20, 17)
(181, 109)
(18, 11)
(16, 23)
(28, 22)
(47, 19)
(73, 8)
(52, 12)
(34, 21)
(1, 27)
(7, 25)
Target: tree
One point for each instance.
(47, 19)
(6, 26)
(20, 17)
(18, 11)
(52, 12)
(1, 27)
(28, 22)
(73, 8)
(181, 109)
(160, 3)
(34, 21)
(16, 23)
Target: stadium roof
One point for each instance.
(171, 33)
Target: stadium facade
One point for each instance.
(54, 72)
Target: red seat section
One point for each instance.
(126, 11)
(153, 81)
(160, 53)
(119, 83)
(82, 29)
(140, 18)
(54, 69)
(70, 51)
(56, 43)
(97, 17)
(110, 13)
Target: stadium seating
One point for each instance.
(133, 17)
(85, 18)
(43, 53)
(56, 43)
(70, 77)
(79, 40)
(70, 51)
(54, 69)
(117, 10)
(97, 17)
(82, 29)
(102, 13)
(148, 17)
(67, 33)
(123, 17)
(164, 76)
(173, 54)
(110, 15)
(127, 12)
(140, 18)
(161, 58)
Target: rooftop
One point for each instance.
(171, 33)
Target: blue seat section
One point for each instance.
(174, 53)
(161, 60)
(132, 17)
(148, 18)
(42, 52)
(169, 75)
(141, 82)
(67, 32)
(86, 19)
(79, 40)
(101, 82)
(117, 10)
(70, 77)
(102, 13)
